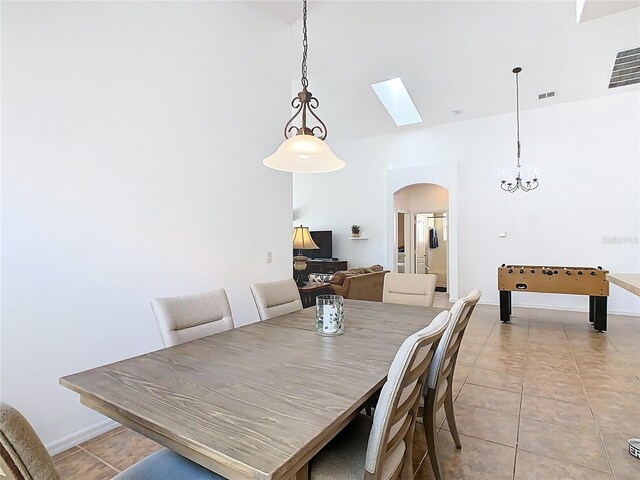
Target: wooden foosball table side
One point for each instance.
(563, 280)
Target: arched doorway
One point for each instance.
(441, 174)
(421, 231)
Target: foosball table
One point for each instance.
(568, 280)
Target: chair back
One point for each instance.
(22, 454)
(276, 298)
(189, 317)
(391, 437)
(409, 289)
(444, 362)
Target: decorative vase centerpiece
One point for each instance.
(329, 315)
(355, 231)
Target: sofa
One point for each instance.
(364, 283)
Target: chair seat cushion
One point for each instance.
(167, 465)
(343, 458)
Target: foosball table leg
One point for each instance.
(505, 306)
(592, 309)
(600, 314)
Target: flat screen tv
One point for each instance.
(324, 239)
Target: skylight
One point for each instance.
(395, 98)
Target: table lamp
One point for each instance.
(302, 241)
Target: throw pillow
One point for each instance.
(320, 277)
(374, 268)
(338, 278)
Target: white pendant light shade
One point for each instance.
(304, 154)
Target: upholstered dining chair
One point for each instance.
(189, 317)
(380, 448)
(276, 298)
(409, 289)
(24, 457)
(436, 392)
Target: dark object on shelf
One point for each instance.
(524, 278)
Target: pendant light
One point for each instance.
(531, 179)
(303, 151)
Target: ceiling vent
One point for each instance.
(626, 68)
(542, 96)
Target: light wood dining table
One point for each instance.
(257, 402)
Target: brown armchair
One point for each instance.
(357, 284)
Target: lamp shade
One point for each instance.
(304, 154)
(302, 239)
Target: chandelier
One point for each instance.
(530, 182)
(304, 149)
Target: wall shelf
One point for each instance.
(358, 238)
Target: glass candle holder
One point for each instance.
(329, 315)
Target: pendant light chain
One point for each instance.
(518, 115)
(305, 103)
(305, 45)
(530, 182)
(304, 149)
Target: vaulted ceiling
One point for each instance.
(452, 56)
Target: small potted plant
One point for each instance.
(355, 231)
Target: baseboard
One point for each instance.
(562, 309)
(83, 435)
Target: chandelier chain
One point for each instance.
(518, 116)
(305, 45)
(530, 182)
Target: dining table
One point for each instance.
(259, 401)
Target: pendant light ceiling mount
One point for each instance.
(531, 181)
(304, 149)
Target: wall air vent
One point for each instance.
(626, 68)
(546, 95)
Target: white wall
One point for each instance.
(133, 135)
(588, 155)
(421, 198)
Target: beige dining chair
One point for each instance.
(276, 298)
(24, 457)
(442, 369)
(189, 317)
(380, 448)
(409, 289)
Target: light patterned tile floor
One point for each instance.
(574, 395)
(544, 397)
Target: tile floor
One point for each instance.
(545, 397)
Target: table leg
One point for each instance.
(302, 474)
(600, 314)
(505, 306)
(592, 308)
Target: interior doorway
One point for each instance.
(422, 232)
(431, 246)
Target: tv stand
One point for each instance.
(325, 265)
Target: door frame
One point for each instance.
(409, 254)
